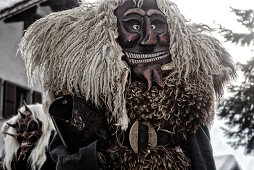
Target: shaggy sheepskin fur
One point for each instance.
(77, 50)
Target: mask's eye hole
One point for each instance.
(21, 128)
(32, 126)
(132, 25)
(159, 26)
(136, 27)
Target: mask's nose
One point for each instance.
(148, 39)
(25, 135)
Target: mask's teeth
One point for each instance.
(144, 58)
(127, 54)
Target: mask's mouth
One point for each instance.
(26, 144)
(26, 147)
(135, 58)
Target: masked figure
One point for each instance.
(136, 84)
(26, 138)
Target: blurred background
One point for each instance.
(232, 134)
(232, 21)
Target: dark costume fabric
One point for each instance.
(85, 158)
(23, 164)
(144, 78)
(198, 148)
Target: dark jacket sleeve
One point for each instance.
(85, 158)
(199, 150)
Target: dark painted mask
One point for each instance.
(144, 37)
(28, 131)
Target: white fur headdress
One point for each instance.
(38, 155)
(77, 50)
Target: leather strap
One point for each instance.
(77, 122)
(163, 138)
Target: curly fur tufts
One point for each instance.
(180, 107)
(156, 158)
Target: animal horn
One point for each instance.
(27, 109)
(12, 135)
(11, 125)
(22, 114)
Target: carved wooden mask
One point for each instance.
(144, 38)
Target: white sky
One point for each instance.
(212, 13)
